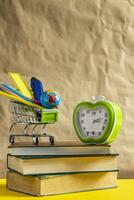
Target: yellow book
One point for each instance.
(64, 183)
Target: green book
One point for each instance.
(31, 165)
(60, 148)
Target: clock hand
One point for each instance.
(96, 120)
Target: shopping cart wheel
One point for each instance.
(35, 140)
(12, 139)
(51, 139)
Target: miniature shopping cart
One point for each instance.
(31, 117)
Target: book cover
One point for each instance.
(59, 184)
(61, 164)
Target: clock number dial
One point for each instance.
(92, 123)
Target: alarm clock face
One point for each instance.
(97, 123)
(92, 123)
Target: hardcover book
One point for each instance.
(31, 165)
(25, 149)
(63, 183)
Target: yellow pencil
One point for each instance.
(20, 100)
(21, 84)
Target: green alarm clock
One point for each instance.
(97, 121)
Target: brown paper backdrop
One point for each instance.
(79, 47)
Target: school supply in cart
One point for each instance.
(21, 84)
(37, 88)
(15, 92)
(48, 98)
(20, 100)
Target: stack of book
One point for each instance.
(56, 169)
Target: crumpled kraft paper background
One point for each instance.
(80, 48)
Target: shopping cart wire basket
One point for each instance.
(31, 116)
